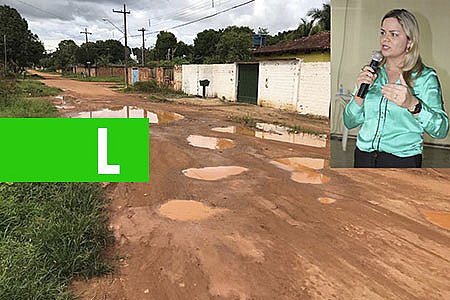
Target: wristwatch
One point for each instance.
(417, 108)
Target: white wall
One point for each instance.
(315, 87)
(295, 85)
(278, 84)
(222, 79)
(286, 84)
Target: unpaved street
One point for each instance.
(281, 226)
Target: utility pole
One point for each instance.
(85, 32)
(4, 44)
(143, 45)
(125, 13)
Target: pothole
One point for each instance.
(438, 218)
(277, 133)
(303, 169)
(325, 200)
(188, 210)
(210, 142)
(161, 117)
(213, 173)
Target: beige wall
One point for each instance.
(355, 34)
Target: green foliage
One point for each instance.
(322, 16)
(235, 44)
(65, 54)
(28, 108)
(118, 79)
(152, 87)
(205, 44)
(23, 47)
(32, 88)
(166, 43)
(51, 232)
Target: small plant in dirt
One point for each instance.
(246, 120)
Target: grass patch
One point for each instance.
(246, 120)
(33, 88)
(95, 78)
(29, 108)
(50, 233)
(152, 87)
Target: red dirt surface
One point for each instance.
(265, 236)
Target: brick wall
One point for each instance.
(315, 88)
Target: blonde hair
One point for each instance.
(413, 61)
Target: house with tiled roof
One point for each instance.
(310, 48)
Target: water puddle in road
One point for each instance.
(295, 163)
(438, 218)
(214, 173)
(161, 117)
(241, 130)
(188, 210)
(303, 169)
(325, 200)
(277, 133)
(210, 142)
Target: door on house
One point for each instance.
(134, 75)
(248, 83)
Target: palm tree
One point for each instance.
(306, 28)
(322, 16)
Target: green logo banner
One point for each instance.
(74, 150)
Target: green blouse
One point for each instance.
(387, 127)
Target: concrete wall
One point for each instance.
(222, 79)
(355, 34)
(278, 84)
(315, 88)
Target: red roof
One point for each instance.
(316, 42)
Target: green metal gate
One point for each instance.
(248, 83)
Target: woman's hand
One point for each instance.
(399, 94)
(367, 75)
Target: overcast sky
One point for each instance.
(54, 21)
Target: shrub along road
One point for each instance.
(273, 231)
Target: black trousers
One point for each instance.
(378, 159)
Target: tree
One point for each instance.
(111, 51)
(205, 45)
(166, 42)
(23, 47)
(65, 54)
(322, 16)
(235, 44)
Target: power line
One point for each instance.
(189, 11)
(204, 18)
(42, 10)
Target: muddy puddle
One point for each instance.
(325, 200)
(277, 133)
(213, 173)
(188, 210)
(303, 169)
(210, 142)
(160, 117)
(438, 218)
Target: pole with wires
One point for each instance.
(143, 30)
(125, 13)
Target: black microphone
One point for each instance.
(377, 57)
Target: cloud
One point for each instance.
(54, 21)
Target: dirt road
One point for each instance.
(277, 228)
